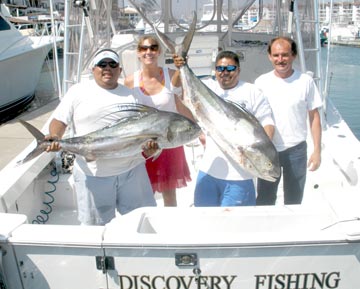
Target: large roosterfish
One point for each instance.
(126, 136)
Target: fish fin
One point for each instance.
(33, 154)
(121, 112)
(244, 109)
(169, 44)
(130, 107)
(169, 135)
(39, 136)
(155, 155)
(165, 40)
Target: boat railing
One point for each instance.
(265, 28)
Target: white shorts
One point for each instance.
(99, 197)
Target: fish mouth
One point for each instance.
(270, 175)
(273, 174)
(269, 178)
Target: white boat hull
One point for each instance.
(21, 61)
(215, 248)
(22, 76)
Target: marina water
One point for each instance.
(344, 88)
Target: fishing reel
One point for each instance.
(80, 3)
(64, 162)
(86, 5)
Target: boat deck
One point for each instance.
(14, 138)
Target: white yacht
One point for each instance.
(21, 60)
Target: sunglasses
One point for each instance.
(153, 47)
(228, 68)
(103, 64)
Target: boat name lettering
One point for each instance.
(324, 280)
(175, 282)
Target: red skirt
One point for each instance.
(169, 171)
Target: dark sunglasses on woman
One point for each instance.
(153, 47)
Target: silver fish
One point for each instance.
(126, 136)
(238, 134)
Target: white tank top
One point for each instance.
(164, 100)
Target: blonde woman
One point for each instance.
(161, 87)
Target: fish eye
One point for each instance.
(269, 165)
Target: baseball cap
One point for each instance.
(103, 54)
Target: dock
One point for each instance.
(352, 43)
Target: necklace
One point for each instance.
(141, 82)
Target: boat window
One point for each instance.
(3, 24)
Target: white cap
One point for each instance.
(105, 53)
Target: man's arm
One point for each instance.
(315, 127)
(269, 129)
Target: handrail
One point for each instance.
(299, 39)
(327, 82)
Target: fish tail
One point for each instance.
(185, 45)
(33, 154)
(39, 136)
(165, 40)
(169, 44)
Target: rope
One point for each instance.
(43, 217)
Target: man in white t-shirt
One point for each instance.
(103, 185)
(218, 182)
(293, 97)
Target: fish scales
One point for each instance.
(212, 110)
(233, 129)
(120, 140)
